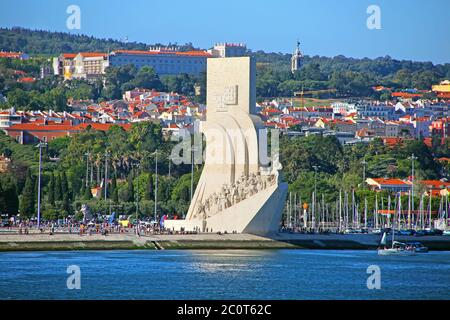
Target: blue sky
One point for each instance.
(411, 29)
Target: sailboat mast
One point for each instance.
(365, 213)
(376, 211)
(340, 209)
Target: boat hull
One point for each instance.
(395, 252)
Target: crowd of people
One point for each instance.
(68, 226)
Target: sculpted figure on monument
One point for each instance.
(200, 209)
(231, 195)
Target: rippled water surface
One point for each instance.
(233, 274)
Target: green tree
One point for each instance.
(87, 193)
(148, 194)
(51, 190)
(58, 187)
(27, 201)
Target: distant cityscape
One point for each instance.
(402, 115)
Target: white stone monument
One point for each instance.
(236, 192)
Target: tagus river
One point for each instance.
(229, 274)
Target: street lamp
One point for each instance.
(87, 154)
(315, 179)
(413, 158)
(156, 181)
(313, 218)
(137, 165)
(40, 145)
(106, 173)
(364, 162)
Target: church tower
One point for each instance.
(296, 60)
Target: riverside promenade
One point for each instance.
(130, 241)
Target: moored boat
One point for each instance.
(399, 249)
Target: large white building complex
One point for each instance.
(164, 60)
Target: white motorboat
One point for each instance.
(398, 248)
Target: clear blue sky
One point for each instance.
(411, 29)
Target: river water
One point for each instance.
(224, 274)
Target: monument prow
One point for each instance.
(237, 191)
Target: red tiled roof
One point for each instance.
(69, 55)
(271, 110)
(26, 80)
(436, 184)
(103, 126)
(64, 127)
(175, 53)
(41, 127)
(384, 181)
(10, 54)
(93, 54)
(406, 95)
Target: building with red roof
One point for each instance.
(394, 185)
(27, 133)
(14, 55)
(164, 62)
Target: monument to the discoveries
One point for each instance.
(237, 191)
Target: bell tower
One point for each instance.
(296, 59)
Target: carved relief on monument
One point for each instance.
(229, 195)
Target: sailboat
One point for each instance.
(397, 248)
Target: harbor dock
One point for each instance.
(45, 242)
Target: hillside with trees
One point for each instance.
(41, 42)
(350, 77)
(74, 165)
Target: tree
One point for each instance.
(130, 188)
(66, 204)
(9, 201)
(145, 78)
(114, 190)
(12, 200)
(58, 187)
(64, 185)
(148, 194)
(51, 190)
(87, 193)
(27, 200)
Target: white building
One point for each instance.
(164, 62)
